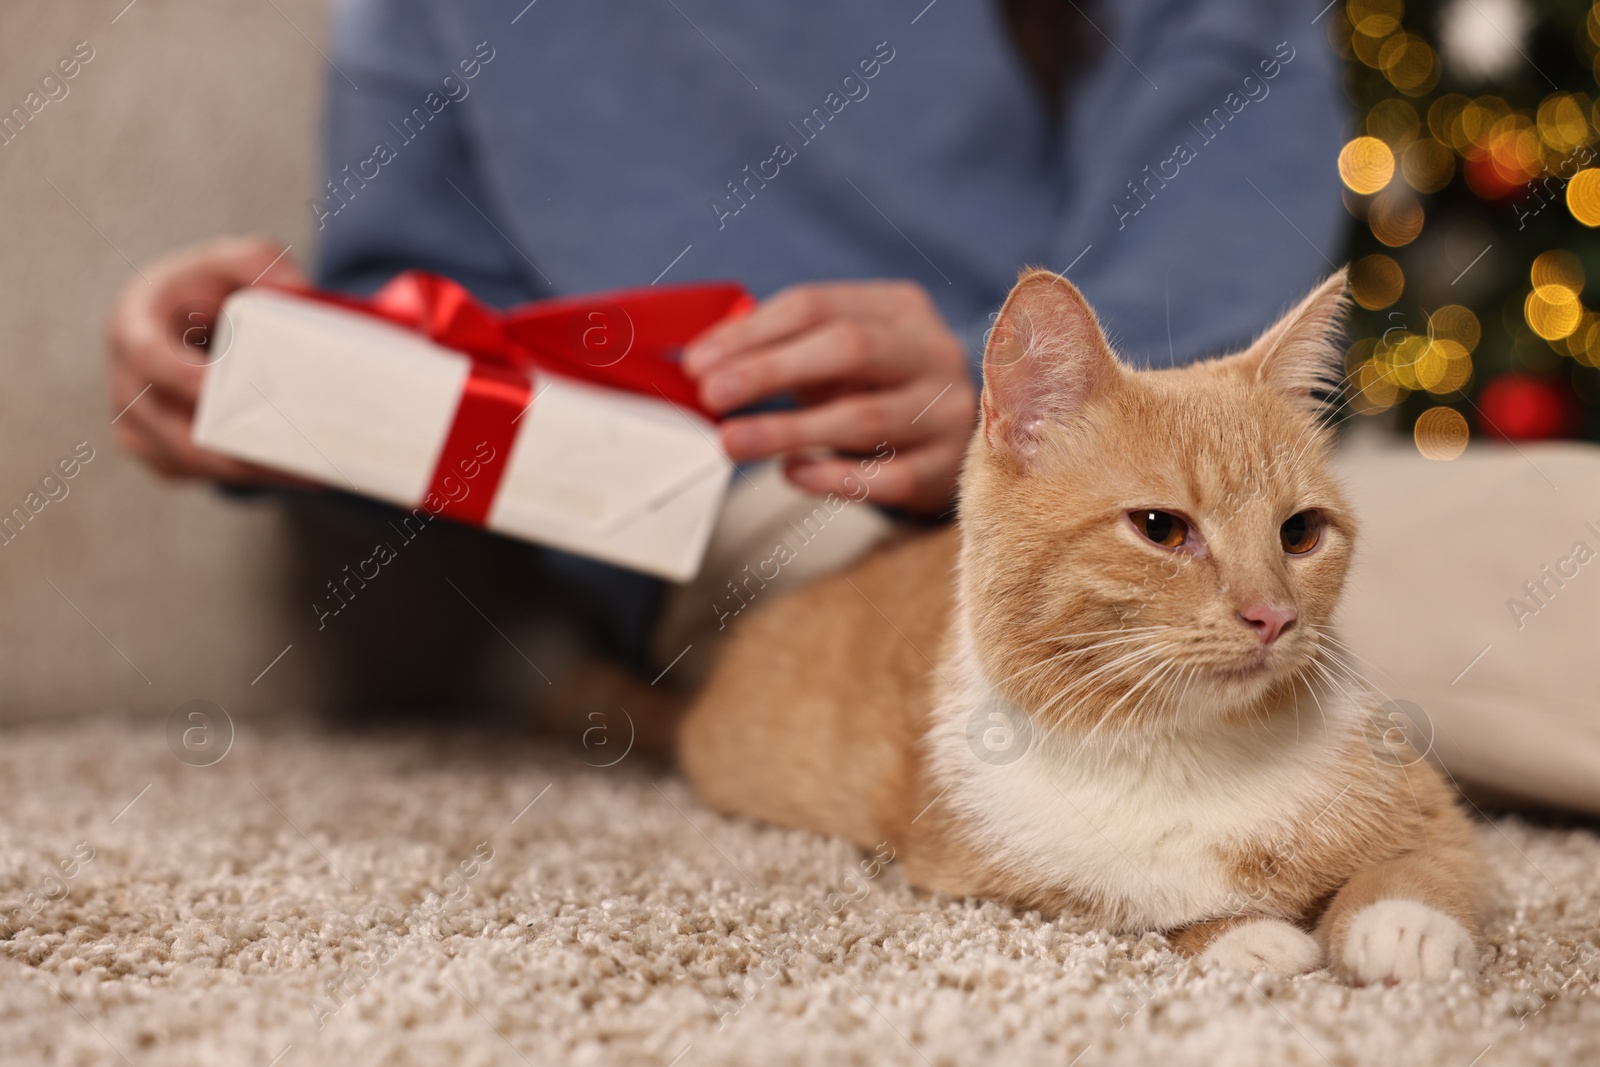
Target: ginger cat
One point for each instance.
(1112, 690)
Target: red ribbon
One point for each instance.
(626, 340)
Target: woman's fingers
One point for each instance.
(156, 428)
(158, 330)
(796, 310)
(917, 480)
(854, 423)
(873, 364)
(839, 351)
(159, 335)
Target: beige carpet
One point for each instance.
(232, 909)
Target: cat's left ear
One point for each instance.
(1045, 362)
(1300, 355)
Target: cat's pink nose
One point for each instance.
(1268, 621)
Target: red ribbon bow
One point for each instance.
(626, 340)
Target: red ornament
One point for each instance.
(1524, 408)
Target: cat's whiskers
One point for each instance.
(1134, 721)
(1191, 672)
(1122, 661)
(1341, 650)
(1161, 667)
(1150, 675)
(1333, 655)
(1322, 713)
(1098, 633)
(1066, 653)
(1160, 690)
(1333, 680)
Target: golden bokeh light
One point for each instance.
(1575, 344)
(1409, 64)
(1376, 281)
(1563, 122)
(1552, 311)
(1374, 18)
(1359, 352)
(1583, 196)
(1557, 267)
(1366, 165)
(1589, 353)
(1441, 433)
(1393, 120)
(1378, 391)
(1427, 165)
(1514, 149)
(1456, 323)
(1396, 218)
(1444, 119)
(1443, 367)
(1480, 116)
(1400, 356)
(1371, 23)
(1367, 48)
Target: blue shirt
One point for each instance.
(556, 147)
(598, 146)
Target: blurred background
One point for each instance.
(1472, 181)
(1472, 178)
(193, 118)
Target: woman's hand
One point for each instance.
(869, 362)
(157, 335)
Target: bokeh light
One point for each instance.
(1471, 174)
(1441, 433)
(1409, 63)
(1372, 21)
(1453, 322)
(1557, 267)
(1427, 165)
(1583, 196)
(1366, 165)
(1444, 119)
(1552, 311)
(1376, 281)
(1394, 121)
(1563, 122)
(1396, 217)
(1443, 366)
(1589, 352)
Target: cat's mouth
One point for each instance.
(1255, 664)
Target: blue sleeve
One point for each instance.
(400, 187)
(1201, 162)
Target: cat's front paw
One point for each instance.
(1265, 944)
(1403, 939)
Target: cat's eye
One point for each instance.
(1301, 532)
(1161, 527)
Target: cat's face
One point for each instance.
(1151, 548)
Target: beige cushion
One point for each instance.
(1513, 697)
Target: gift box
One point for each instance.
(566, 422)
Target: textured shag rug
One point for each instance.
(330, 898)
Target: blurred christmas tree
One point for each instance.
(1473, 173)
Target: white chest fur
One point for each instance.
(1144, 829)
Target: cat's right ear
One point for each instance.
(1046, 359)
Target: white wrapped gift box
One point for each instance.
(358, 403)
